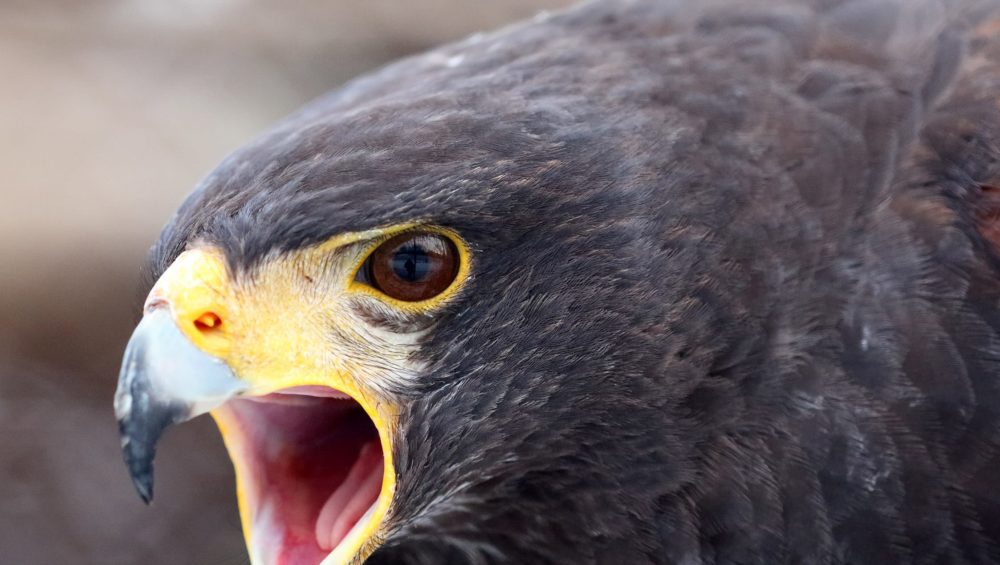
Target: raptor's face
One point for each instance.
(498, 410)
(302, 363)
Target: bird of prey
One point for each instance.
(693, 282)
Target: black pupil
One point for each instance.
(410, 263)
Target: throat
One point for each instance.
(310, 467)
(352, 499)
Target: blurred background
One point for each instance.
(110, 111)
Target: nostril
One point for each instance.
(208, 322)
(207, 330)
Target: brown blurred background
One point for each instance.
(110, 111)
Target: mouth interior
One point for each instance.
(311, 467)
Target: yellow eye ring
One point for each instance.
(414, 268)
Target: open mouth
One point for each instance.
(310, 472)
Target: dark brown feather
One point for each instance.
(737, 285)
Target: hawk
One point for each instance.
(708, 282)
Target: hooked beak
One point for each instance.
(165, 380)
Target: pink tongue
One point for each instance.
(349, 501)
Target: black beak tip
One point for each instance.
(141, 470)
(138, 456)
(144, 486)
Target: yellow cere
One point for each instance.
(191, 288)
(291, 323)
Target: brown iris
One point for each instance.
(412, 266)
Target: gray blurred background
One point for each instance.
(110, 111)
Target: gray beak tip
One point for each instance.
(140, 467)
(138, 451)
(144, 486)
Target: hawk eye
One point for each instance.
(412, 266)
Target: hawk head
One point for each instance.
(615, 286)
(425, 309)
